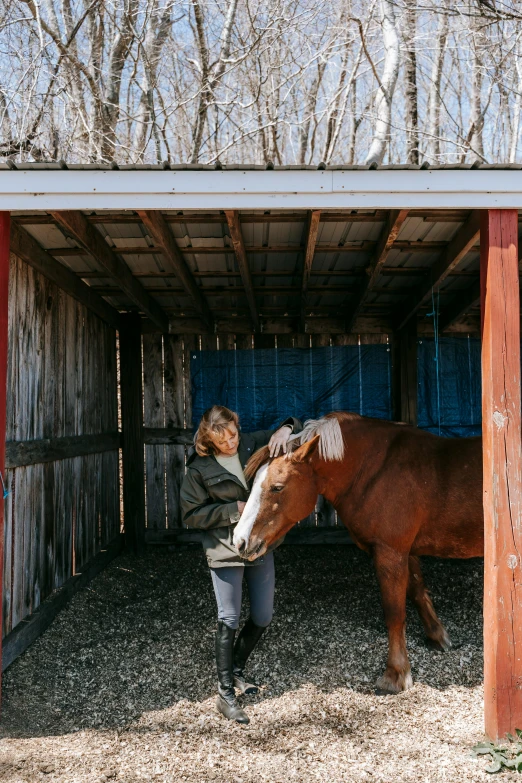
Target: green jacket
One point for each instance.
(209, 495)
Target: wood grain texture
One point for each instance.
(5, 226)
(76, 224)
(154, 416)
(236, 235)
(502, 461)
(450, 257)
(312, 227)
(174, 419)
(132, 431)
(389, 234)
(159, 229)
(32, 452)
(26, 247)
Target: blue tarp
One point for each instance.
(458, 394)
(266, 386)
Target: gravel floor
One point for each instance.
(122, 685)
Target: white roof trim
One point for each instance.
(206, 190)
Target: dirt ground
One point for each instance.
(121, 687)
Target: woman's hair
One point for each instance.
(215, 421)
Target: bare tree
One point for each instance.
(383, 104)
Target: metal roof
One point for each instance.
(357, 205)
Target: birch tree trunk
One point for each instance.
(383, 104)
(476, 141)
(515, 125)
(434, 97)
(410, 83)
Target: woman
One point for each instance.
(213, 495)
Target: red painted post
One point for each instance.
(502, 460)
(5, 230)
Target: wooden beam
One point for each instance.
(132, 431)
(455, 251)
(312, 228)
(164, 238)
(502, 481)
(404, 357)
(5, 230)
(35, 452)
(364, 246)
(28, 249)
(77, 225)
(236, 236)
(389, 234)
(27, 631)
(159, 436)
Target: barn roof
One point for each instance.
(242, 248)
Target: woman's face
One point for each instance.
(226, 442)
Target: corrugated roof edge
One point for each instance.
(10, 165)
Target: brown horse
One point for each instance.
(401, 493)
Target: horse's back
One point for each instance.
(418, 491)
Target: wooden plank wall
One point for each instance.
(61, 382)
(167, 403)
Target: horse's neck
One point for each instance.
(334, 477)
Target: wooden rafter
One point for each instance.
(236, 236)
(77, 225)
(455, 251)
(312, 228)
(27, 248)
(164, 238)
(389, 234)
(349, 247)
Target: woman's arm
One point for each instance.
(198, 510)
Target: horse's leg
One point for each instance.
(392, 572)
(417, 592)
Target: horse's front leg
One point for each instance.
(392, 572)
(435, 632)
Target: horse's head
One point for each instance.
(285, 489)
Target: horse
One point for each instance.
(400, 491)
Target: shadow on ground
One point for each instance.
(141, 637)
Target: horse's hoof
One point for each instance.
(442, 644)
(393, 682)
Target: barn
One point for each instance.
(133, 297)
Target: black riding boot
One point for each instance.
(246, 641)
(226, 700)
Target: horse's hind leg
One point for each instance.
(392, 572)
(417, 592)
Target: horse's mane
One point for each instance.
(331, 444)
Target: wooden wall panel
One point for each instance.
(154, 416)
(61, 382)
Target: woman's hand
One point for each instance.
(241, 506)
(279, 440)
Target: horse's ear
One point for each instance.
(304, 452)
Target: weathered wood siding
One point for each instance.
(61, 382)
(167, 404)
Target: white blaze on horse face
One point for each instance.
(251, 510)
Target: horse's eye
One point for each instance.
(276, 488)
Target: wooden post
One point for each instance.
(132, 436)
(5, 225)
(404, 359)
(502, 460)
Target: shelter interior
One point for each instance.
(106, 309)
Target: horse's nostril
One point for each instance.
(241, 546)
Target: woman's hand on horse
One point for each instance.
(241, 506)
(279, 440)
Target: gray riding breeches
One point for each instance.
(228, 588)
